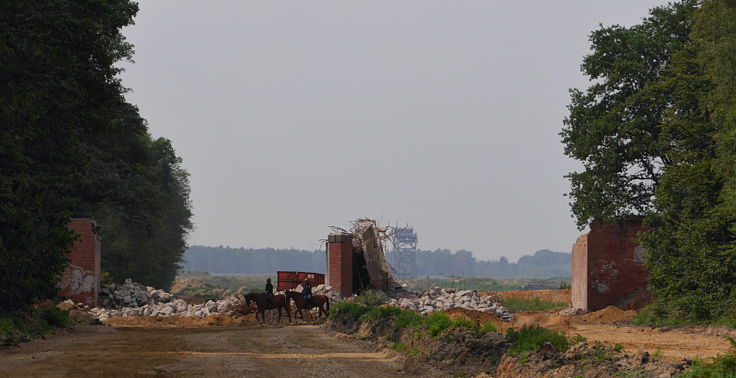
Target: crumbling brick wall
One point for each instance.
(81, 281)
(607, 265)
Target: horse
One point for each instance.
(278, 301)
(320, 301)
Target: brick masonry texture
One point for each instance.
(81, 282)
(607, 265)
(340, 265)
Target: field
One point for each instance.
(202, 285)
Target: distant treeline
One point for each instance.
(441, 262)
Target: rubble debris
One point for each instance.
(444, 299)
(134, 299)
(370, 238)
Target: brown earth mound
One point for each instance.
(475, 316)
(610, 314)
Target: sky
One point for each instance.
(293, 116)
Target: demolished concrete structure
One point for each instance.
(356, 261)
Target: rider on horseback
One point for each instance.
(307, 291)
(269, 291)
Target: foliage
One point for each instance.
(530, 338)
(565, 286)
(381, 312)
(350, 309)
(372, 298)
(21, 327)
(720, 367)
(656, 133)
(534, 304)
(614, 126)
(408, 318)
(58, 86)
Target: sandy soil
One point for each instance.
(612, 326)
(226, 350)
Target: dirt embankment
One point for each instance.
(613, 326)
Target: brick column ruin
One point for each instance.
(81, 281)
(607, 265)
(340, 263)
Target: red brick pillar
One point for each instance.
(340, 263)
(81, 282)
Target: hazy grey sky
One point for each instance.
(295, 115)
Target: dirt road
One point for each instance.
(230, 350)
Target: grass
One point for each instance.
(18, 328)
(721, 367)
(531, 338)
(482, 283)
(662, 314)
(535, 304)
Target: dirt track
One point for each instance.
(229, 350)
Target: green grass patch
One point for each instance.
(488, 327)
(18, 328)
(530, 338)
(371, 298)
(535, 304)
(350, 309)
(379, 313)
(719, 367)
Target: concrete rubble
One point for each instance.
(443, 299)
(134, 299)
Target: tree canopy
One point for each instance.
(663, 149)
(71, 145)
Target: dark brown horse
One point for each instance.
(278, 301)
(320, 301)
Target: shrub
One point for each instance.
(372, 298)
(488, 327)
(352, 309)
(408, 318)
(530, 338)
(437, 322)
(721, 367)
(378, 313)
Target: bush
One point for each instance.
(384, 312)
(437, 322)
(352, 309)
(721, 367)
(372, 298)
(24, 327)
(530, 338)
(488, 327)
(535, 304)
(408, 318)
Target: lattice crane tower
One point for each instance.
(405, 252)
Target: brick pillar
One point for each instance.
(81, 282)
(340, 263)
(607, 265)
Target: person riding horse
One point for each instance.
(269, 291)
(307, 292)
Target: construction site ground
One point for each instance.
(223, 346)
(144, 346)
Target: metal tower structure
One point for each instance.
(405, 252)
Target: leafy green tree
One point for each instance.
(56, 82)
(692, 258)
(614, 126)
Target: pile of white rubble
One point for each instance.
(134, 299)
(444, 299)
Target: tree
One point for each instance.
(691, 254)
(56, 80)
(614, 126)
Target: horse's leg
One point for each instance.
(279, 319)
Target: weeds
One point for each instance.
(535, 304)
(19, 328)
(530, 338)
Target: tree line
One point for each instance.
(656, 134)
(441, 262)
(72, 146)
